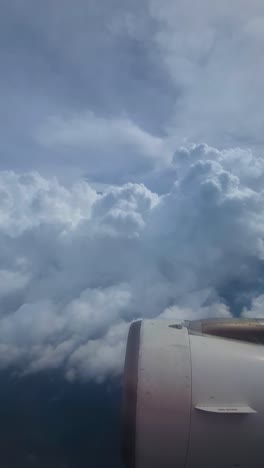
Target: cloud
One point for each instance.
(106, 91)
(109, 352)
(212, 311)
(256, 310)
(212, 53)
(111, 148)
(78, 266)
(91, 66)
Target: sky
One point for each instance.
(131, 175)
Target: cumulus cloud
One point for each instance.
(77, 266)
(257, 308)
(216, 310)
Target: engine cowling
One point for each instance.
(193, 394)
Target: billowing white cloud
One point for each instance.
(78, 266)
(216, 310)
(257, 308)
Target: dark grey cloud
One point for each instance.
(167, 73)
(65, 60)
(214, 52)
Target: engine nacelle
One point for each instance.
(194, 394)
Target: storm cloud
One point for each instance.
(77, 266)
(132, 173)
(107, 90)
(131, 185)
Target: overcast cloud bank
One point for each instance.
(101, 88)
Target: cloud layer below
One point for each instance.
(77, 266)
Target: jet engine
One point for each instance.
(193, 394)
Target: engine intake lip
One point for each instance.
(129, 403)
